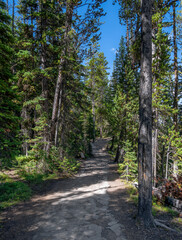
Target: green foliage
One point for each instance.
(31, 165)
(32, 178)
(128, 168)
(97, 83)
(4, 178)
(133, 194)
(13, 192)
(22, 159)
(66, 165)
(9, 107)
(157, 208)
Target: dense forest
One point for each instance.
(56, 96)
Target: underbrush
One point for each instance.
(11, 192)
(30, 173)
(157, 207)
(171, 187)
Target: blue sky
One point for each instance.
(111, 32)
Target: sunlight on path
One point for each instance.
(81, 212)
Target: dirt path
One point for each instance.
(91, 206)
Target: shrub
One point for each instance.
(13, 192)
(128, 168)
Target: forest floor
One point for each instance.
(92, 205)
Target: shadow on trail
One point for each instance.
(81, 208)
(42, 216)
(65, 207)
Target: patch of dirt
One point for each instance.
(125, 211)
(80, 194)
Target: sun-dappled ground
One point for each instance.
(92, 205)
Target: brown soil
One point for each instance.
(125, 211)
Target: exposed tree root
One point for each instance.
(159, 220)
(159, 223)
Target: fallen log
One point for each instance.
(176, 203)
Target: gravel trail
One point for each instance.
(82, 211)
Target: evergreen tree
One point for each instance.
(124, 87)
(97, 82)
(9, 110)
(145, 119)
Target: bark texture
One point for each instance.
(60, 80)
(175, 117)
(145, 118)
(175, 69)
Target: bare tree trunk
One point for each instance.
(58, 119)
(154, 154)
(24, 130)
(62, 137)
(119, 147)
(44, 81)
(57, 96)
(112, 143)
(175, 69)
(100, 131)
(93, 116)
(154, 111)
(175, 117)
(175, 168)
(162, 160)
(167, 161)
(145, 120)
(127, 171)
(122, 136)
(44, 86)
(154, 143)
(60, 79)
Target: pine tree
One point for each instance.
(9, 110)
(97, 81)
(124, 85)
(145, 119)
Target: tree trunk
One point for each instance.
(45, 109)
(100, 131)
(175, 70)
(112, 143)
(175, 117)
(60, 79)
(154, 109)
(145, 120)
(58, 119)
(167, 161)
(122, 136)
(162, 160)
(93, 116)
(119, 147)
(154, 154)
(24, 130)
